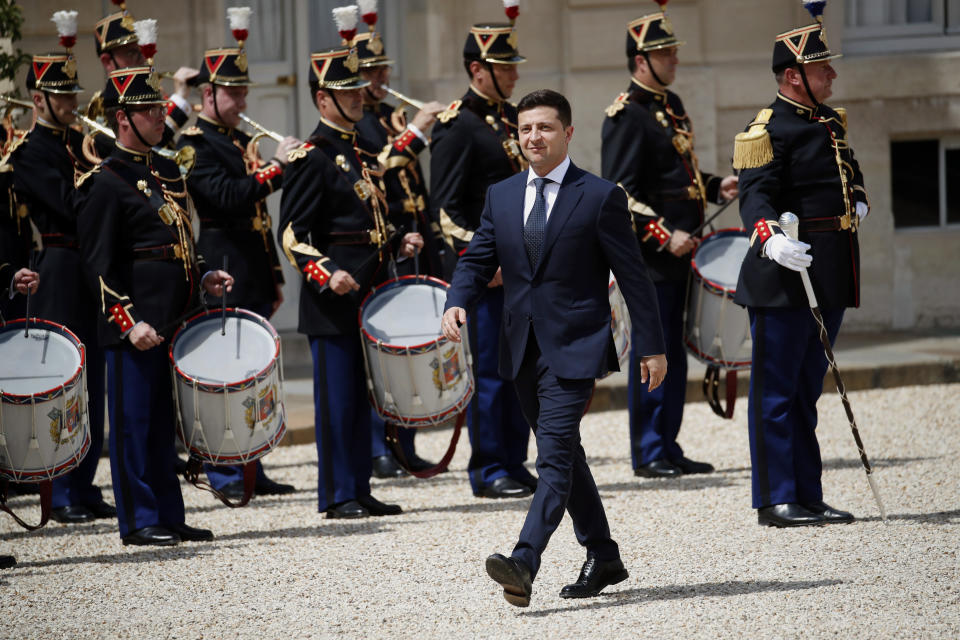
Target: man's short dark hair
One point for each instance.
(547, 98)
(632, 64)
(110, 115)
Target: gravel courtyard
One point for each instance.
(700, 566)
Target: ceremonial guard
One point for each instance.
(474, 146)
(229, 184)
(335, 232)
(647, 149)
(137, 243)
(795, 157)
(16, 233)
(400, 145)
(46, 165)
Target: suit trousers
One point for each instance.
(655, 416)
(786, 380)
(553, 407)
(341, 419)
(142, 433)
(499, 435)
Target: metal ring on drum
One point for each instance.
(228, 387)
(44, 422)
(716, 330)
(415, 376)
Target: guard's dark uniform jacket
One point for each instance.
(228, 192)
(797, 159)
(406, 190)
(647, 149)
(331, 218)
(15, 239)
(46, 166)
(137, 243)
(473, 146)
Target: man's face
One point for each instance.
(543, 138)
(506, 75)
(231, 101)
(664, 63)
(350, 101)
(62, 104)
(377, 76)
(149, 120)
(820, 76)
(123, 57)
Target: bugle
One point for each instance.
(17, 102)
(260, 128)
(416, 104)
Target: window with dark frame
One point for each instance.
(925, 181)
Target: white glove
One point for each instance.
(862, 210)
(788, 252)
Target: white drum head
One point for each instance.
(719, 258)
(41, 362)
(405, 316)
(200, 352)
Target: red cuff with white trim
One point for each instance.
(655, 229)
(316, 273)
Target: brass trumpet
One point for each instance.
(262, 130)
(17, 102)
(416, 104)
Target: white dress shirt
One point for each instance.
(550, 190)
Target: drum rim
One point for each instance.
(389, 284)
(239, 458)
(425, 421)
(727, 231)
(703, 357)
(49, 474)
(53, 392)
(241, 384)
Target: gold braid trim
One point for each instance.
(753, 148)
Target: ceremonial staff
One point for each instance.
(790, 225)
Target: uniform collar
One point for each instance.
(138, 157)
(49, 126)
(656, 94)
(802, 110)
(491, 102)
(339, 132)
(219, 127)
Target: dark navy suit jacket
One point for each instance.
(565, 297)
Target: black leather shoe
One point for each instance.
(416, 463)
(73, 514)
(268, 487)
(595, 576)
(528, 480)
(348, 509)
(788, 514)
(513, 576)
(830, 515)
(7, 561)
(692, 466)
(102, 510)
(157, 536)
(504, 487)
(387, 467)
(377, 508)
(661, 468)
(191, 534)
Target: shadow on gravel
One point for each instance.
(317, 531)
(299, 496)
(683, 483)
(850, 463)
(58, 531)
(486, 506)
(179, 552)
(684, 591)
(937, 517)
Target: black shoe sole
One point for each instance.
(788, 525)
(617, 579)
(163, 543)
(505, 575)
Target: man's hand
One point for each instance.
(215, 281)
(654, 368)
(180, 78)
(788, 252)
(25, 279)
(425, 118)
(681, 243)
(284, 147)
(451, 322)
(411, 245)
(144, 337)
(342, 282)
(278, 301)
(497, 279)
(730, 187)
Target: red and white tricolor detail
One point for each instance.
(146, 31)
(121, 315)
(656, 229)
(763, 230)
(66, 22)
(316, 273)
(346, 20)
(269, 172)
(239, 19)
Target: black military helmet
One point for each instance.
(57, 72)
(805, 44)
(651, 32)
(336, 69)
(492, 42)
(369, 45)
(115, 30)
(135, 85)
(228, 66)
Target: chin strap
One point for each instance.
(216, 109)
(653, 72)
(806, 85)
(493, 76)
(50, 112)
(136, 131)
(333, 96)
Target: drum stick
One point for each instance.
(373, 255)
(790, 225)
(416, 253)
(26, 323)
(705, 222)
(223, 299)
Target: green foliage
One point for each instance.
(11, 19)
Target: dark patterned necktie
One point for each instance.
(533, 230)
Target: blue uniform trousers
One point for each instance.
(498, 432)
(786, 380)
(142, 433)
(77, 488)
(341, 419)
(378, 437)
(655, 416)
(554, 407)
(220, 476)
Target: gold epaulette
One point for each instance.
(450, 112)
(192, 131)
(842, 112)
(83, 177)
(618, 105)
(753, 148)
(299, 152)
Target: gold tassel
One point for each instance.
(752, 148)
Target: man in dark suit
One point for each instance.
(556, 231)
